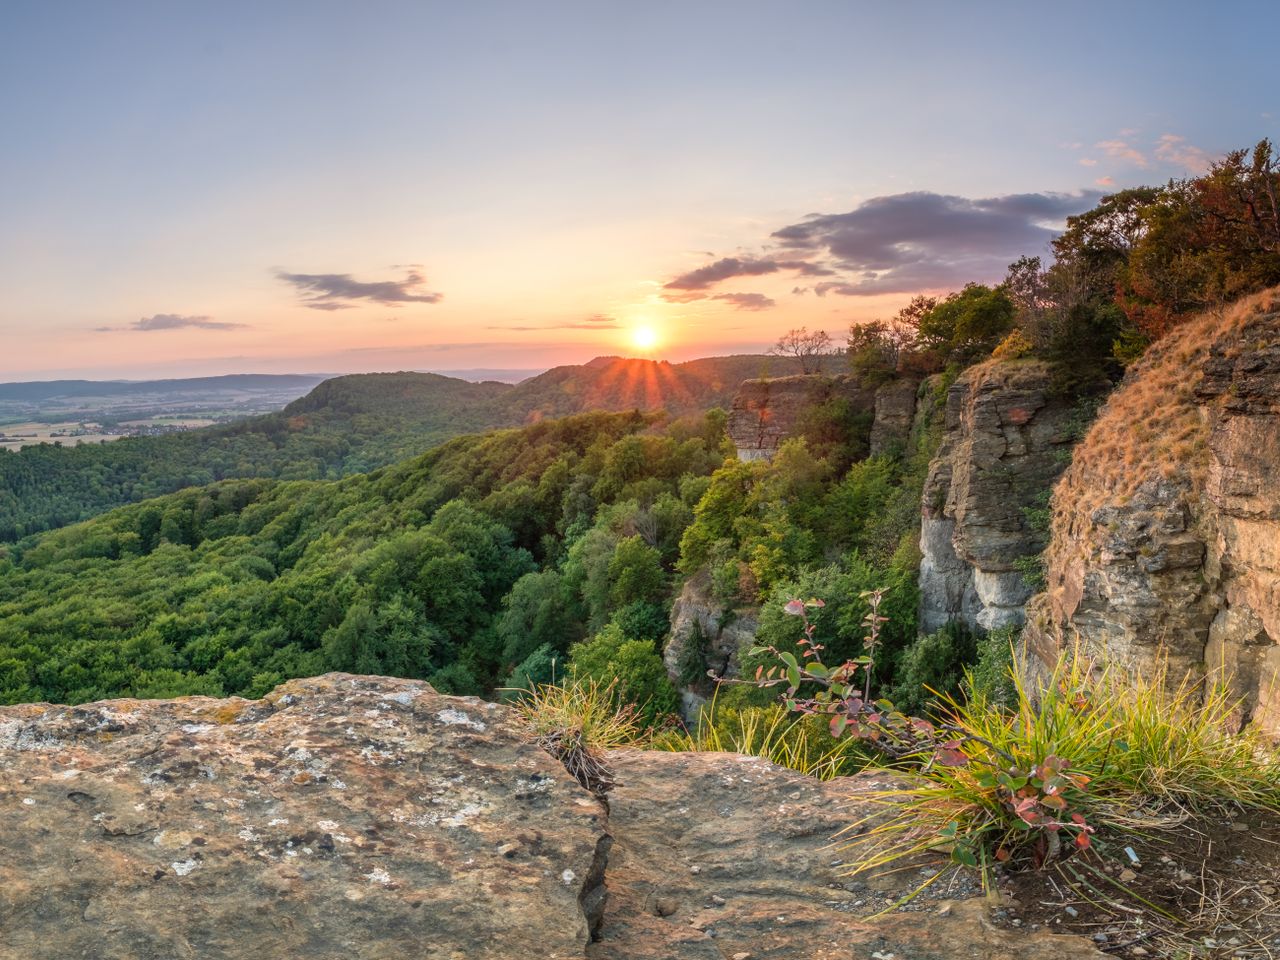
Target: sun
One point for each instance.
(644, 337)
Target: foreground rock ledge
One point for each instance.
(366, 817)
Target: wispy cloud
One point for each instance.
(747, 301)
(340, 291)
(1123, 150)
(1175, 150)
(173, 321)
(597, 321)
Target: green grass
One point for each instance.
(771, 733)
(1132, 755)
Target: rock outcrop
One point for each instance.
(709, 635)
(340, 817)
(366, 817)
(766, 412)
(1005, 442)
(718, 855)
(1165, 546)
(895, 409)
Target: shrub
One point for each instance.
(933, 664)
(633, 668)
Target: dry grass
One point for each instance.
(1153, 427)
(576, 722)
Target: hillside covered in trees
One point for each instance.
(345, 425)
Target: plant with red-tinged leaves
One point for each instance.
(1031, 803)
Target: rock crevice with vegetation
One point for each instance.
(363, 816)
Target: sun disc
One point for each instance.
(644, 337)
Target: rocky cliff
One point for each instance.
(365, 817)
(705, 635)
(767, 412)
(1005, 442)
(1165, 542)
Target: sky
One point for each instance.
(271, 186)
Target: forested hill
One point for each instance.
(454, 565)
(616, 383)
(37, 390)
(346, 425)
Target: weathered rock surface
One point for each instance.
(1005, 443)
(363, 817)
(895, 409)
(767, 412)
(340, 817)
(719, 855)
(698, 619)
(1165, 543)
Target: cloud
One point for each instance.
(1175, 150)
(1105, 182)
(747, 301)
(173, 321)
(597, 321)
(909, 242)
(339, 291)
(1122, 150)
(1087, 162)
(727, 268)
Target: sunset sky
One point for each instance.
(194, 188)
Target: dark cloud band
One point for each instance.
(340, 291)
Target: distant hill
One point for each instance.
(616, 383)
(36, 390)
(349, 424)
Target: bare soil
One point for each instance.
(1209, 889)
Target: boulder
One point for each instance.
(718, 855)
(364, 817)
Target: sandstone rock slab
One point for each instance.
(339, 817)
(719, 855)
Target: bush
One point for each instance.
(639, 675)
(934, 664)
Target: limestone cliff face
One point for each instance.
(698, 619)
(363, 817)
(1004, 444)
(767, 412)
(1165, 541)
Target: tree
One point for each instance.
(966, 326)
(810, 349)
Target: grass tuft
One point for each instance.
(576, 722)
(1093, 752)
(772, 733)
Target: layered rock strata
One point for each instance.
(1005, 442)
(1165, 547)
